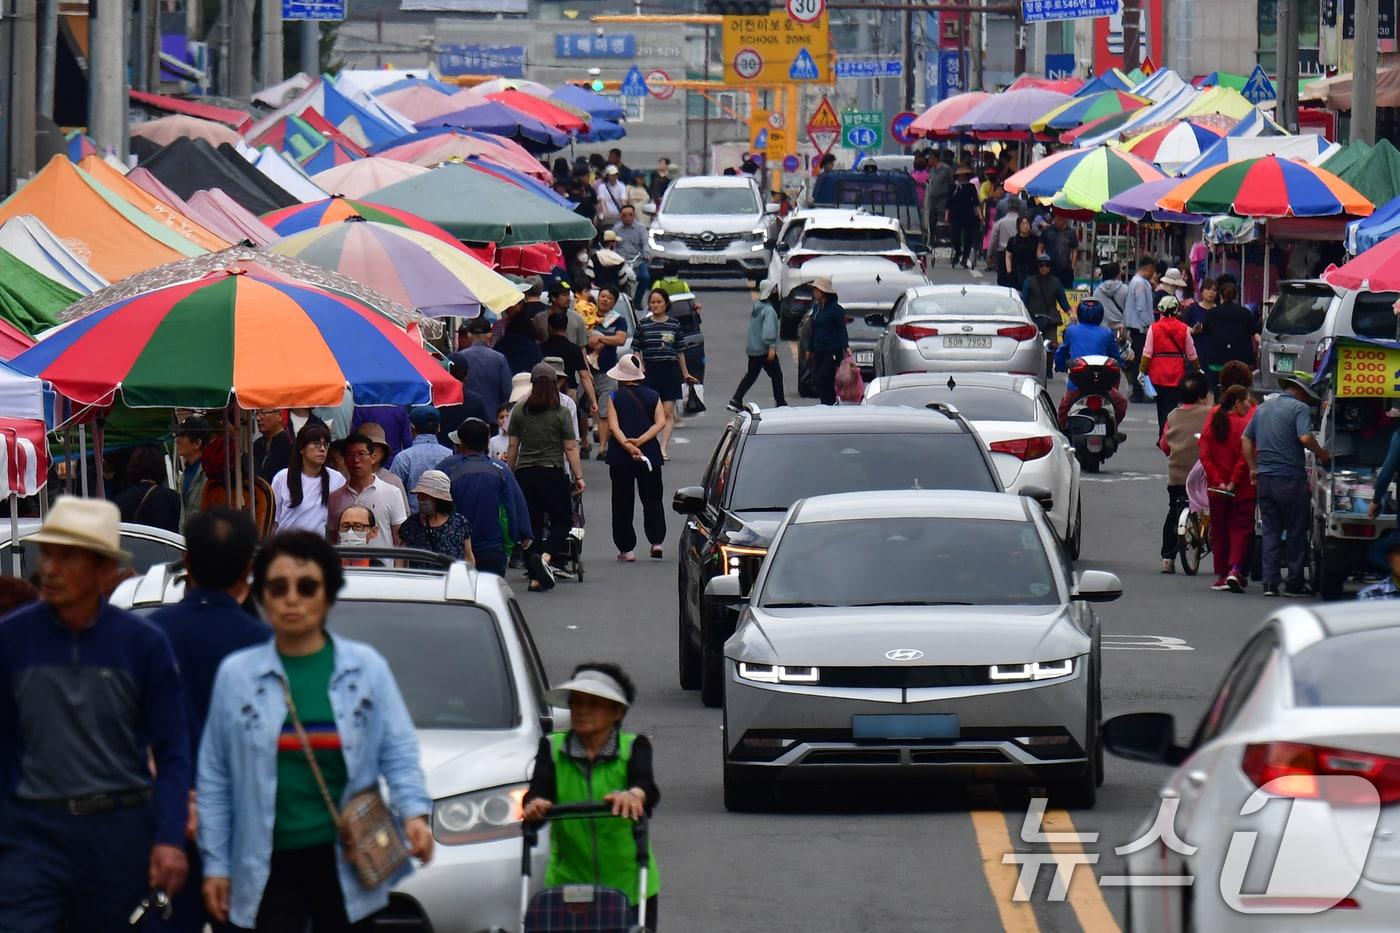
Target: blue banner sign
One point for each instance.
(950, 74)
(1059, 66)
(1041, 11)
(330, 10)
(869, 68)
(506, 61)
(588, 45)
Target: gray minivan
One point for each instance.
(1307, 316)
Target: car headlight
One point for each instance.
(759, 232)
(479, 816)
(732, 555)
(1035, 670)
(778, 673)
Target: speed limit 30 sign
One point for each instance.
(806, 11)
(748, 63)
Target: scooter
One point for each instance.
(1092, 422)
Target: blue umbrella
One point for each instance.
(595, 105)
(601, 131)
(500, 120)
(1368, 231)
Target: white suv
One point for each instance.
(712, 225)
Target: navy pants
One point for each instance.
(92, 868)
(1284, 508)
(187, 913)
(490, 560)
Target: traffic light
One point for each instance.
(598, 84)
(741, 7)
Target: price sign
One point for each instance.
(1368, 372)
(806, 11)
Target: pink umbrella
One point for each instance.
(357, 179)
(421, 103)
(1009, 114)
(935, 120)
(229, 219)
(166, 130)
(444, 147)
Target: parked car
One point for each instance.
(1308, 316)
(147, 545)
(713, 225)
(465, 660)
(959, 329)
(887, 193)
(765, 461)
(924, 635)
(1310, 699)
(1015, 418)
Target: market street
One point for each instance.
(863, 857)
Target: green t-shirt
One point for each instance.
(302, 819)
(542, 436)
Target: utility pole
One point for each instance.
(311, 47)
(23, 39)
(270, 51)
(1132, 33)
(48, 55)
(1287, 63)
(1363, 74)
(975, 41)
(908, 29)
(705, 118)
(240, 82)
(107, 75)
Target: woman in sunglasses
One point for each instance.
(273, 860)
(302, 491)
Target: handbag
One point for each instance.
(850, 384)
(374, 847)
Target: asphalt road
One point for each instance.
(855, 858)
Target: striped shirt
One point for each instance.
(659, 341)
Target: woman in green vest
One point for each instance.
(596, 762)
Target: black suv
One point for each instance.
(764, 462)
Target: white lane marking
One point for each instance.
(1126, 477)
(1144, 643)
(680, 440)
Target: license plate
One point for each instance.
(703, 260)
(865, 358)
(967, 343)
(1099, 430)
(896, 728)
(1283, 362)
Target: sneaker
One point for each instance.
(1301, 592)
(540, 571)
(1270, 589)
(1168, 565)
(1235, 582)
(1220, 584)
(627, 557)
(656, 552)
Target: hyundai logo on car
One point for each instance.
(904, 654)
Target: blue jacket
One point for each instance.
(237, 790)
(488, 373)
(79, 712)
(829, 328)
(204, 628)
(486, 494)
(1085, 340)
(763, 329)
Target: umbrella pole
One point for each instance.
(1264, 295)
(97, 437)
(252, 478)
(15, 549)
(232, 492)
(82, 463)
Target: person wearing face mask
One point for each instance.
(437, 527)
(357, 528)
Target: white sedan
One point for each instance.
(1016, 420)
(1284, 810)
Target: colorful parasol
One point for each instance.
(357, 179)
(1376, 270)
(1175, 144)
(242, 333)
(1266, 187)
(938, 119)
(334, 209)
(1088, 177)
(1140, 202)
(431, 148)
(1096, 128)
(1010, 112)
(550, 113)
(413, 269)
(1081, 110)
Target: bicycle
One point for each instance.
(1192, 539)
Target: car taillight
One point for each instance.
(899, 259)
(1019, 332)
(1024, 448)
(1094, 402)
(915, 331)
(795, 262)
(1296, 767)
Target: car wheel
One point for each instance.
(711, 662)
(787, 322)
(1331, 572)
(1081, 791)
(745, 793)
(1076, 538)
(688, 658)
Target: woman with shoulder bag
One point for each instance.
(635, 417)
(1168, 356)
(301, 731)
(147, 500)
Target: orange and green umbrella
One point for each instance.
(1086, 177)
(1083, 110)
(1268, 186)
(333, 210)
(243, 333)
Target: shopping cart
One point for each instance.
(582, 908)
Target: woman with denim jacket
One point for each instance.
(273, 861)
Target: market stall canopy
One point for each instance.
(284, 173)
(1365, 233)
(1111, 80)
(1160, 85)
(1346, 156)
(29, 301)
(532, 185)
(1058, 85)
(24, 452)
(1375, 270)
(938, 119)
(150, 205)
(1377, 175)
(233, 222)
(1307, 148)
(107, 233)
(241, 164)
(500, 120)
(415, 270)
(1268, 186)
(598, 106)
(328, 155)
(282, 92)
(166, 130)
(335, 209)
(542, 110)
(14, 341)
(359, 178)
(1256, 123)
(1174, 145)
(1086, 177)
(431, 148)
(203, 110)
(476, 207)
(1102, 129)
(1009, 112)
(422, 102)
(1335, 93)
(1081, 110)
(26, 238)
(152, 185)
(1141, 119)
(188, 165)
(602, 131)
(365, 125)
(496, 85)
(1140, 203)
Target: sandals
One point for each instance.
(656, 552)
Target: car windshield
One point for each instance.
(910, 561)
(448, 660)
(775, 471)
(975, 403)
(833, 240)
(1300, 309)
(1357, 669)
(718, 200)
(972, 304)
(1373, 315)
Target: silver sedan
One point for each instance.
(959, 328)
(917, 635)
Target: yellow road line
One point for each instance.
(994, 841)
(1084, 894)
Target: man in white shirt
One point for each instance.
(363, 487)
(612, 195)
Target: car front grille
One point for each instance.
(715, 241)
(906, 677)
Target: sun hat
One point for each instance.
(1174, 278)
(1380, 550)
(374, 433)
(91, 524)
(610, 236)
(534, 285)
(610, 170)
(434, 484)
(823, 283)
(589, 681)
(767, 287)
(1168, 304)
(519, 386)
(628, 369)
(424, 417)
(554, 363)
(1302, 380)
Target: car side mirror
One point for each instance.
(1097, 586)
(771, 208)
(876, 320)
(649, 210)
(724, 587)
(557, 719)
(1040, 494)
(1149, 737)
(689, 500)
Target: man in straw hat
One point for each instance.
(829, 339)
(90, 695)
(1273, 446)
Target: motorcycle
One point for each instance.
(1092, 424)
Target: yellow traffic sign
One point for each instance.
(777, 143)
(775, 49)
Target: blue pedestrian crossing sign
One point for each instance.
(635, 84)
(760, 141)
(1258, 89)
(804, 68)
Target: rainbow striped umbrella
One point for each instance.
(1174, 144)
(335, 209)
(1267, 186)
(1083, 110)
(241, 333)
(1087, 177)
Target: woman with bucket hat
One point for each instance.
(596, 762)
(437, 527)
(635, 418)
(828, 339)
